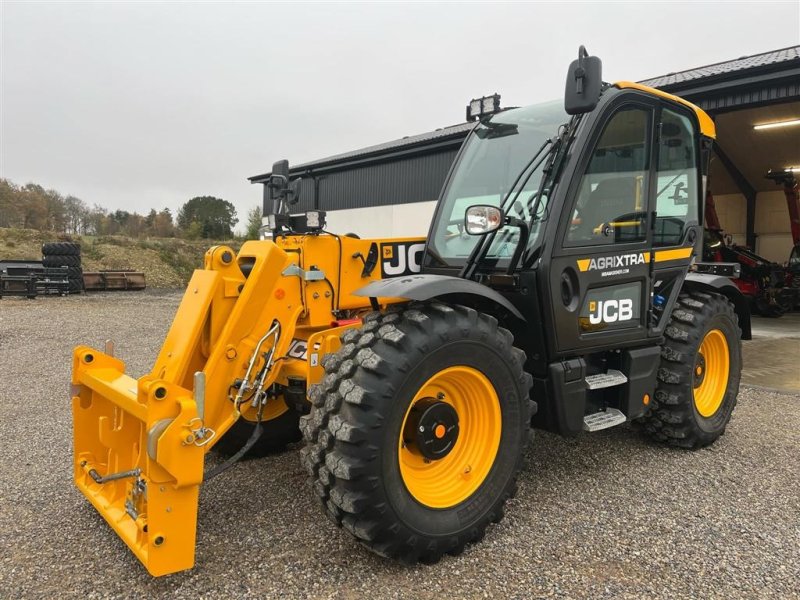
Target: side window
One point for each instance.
(676, 194)
(611, 206)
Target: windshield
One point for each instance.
(493, 157)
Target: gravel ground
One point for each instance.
(607, 515)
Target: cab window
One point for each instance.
(611, 206)
(677, 190)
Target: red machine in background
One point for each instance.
(787, 179)
(768, 285)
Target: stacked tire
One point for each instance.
(65, 255)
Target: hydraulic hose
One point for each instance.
(236, 457)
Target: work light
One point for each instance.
(483, 106)
(314, 219)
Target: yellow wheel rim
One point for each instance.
(711, 370)
(445, 482)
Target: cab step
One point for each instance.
(603, 419)
(610, 378)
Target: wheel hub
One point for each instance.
(699, 370)
(433, 427)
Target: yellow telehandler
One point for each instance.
(557, 289)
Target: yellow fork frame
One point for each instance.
(139, 444)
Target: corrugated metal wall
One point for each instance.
(401, 181)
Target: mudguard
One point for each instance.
(428, 286)
(723, 285)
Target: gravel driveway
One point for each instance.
(606, 515)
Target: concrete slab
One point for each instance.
(772, 357)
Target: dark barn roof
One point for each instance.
(443, 138)
(762, 62)
(413, 168)
(746, 82)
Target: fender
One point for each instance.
(703, 282)
(428, 286)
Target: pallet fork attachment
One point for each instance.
(139, 444)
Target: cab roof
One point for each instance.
(707, 127)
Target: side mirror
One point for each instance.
(483, 218)
(584, 83)
(281, 169)
(279, 179)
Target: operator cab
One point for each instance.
(585, 215)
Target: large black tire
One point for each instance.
(75, 273)
(674, 415)
(61, 249)
(353, 431)
(58, 260)
(276, 434)
(768, 308)
(75, 285)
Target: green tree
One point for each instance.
(216, 217)
(10, 204)
(162, 224)
(76, 213)
(253, 223)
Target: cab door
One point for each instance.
(677, 220)
(600, 271)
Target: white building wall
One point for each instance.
(774, 241)
(396, 220)
(732, 213)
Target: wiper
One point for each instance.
(483, 245)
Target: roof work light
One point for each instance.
(483, 106)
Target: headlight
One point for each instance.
(482, 218)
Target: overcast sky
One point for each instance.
(145, 105)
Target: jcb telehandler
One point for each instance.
(554, 290)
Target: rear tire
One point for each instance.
(369, 475)
(694, 396)
(276, 434)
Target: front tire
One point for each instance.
(448, 372)
(698, 380)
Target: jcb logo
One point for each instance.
(401, 258)
(610, 311)
(298, 349)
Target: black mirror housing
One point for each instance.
(281, 168)
(584, 83)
